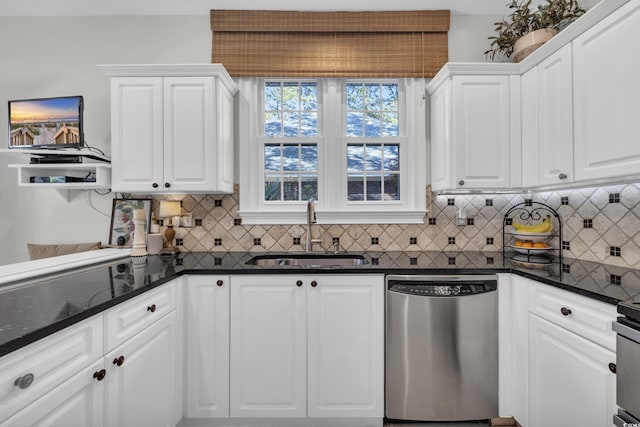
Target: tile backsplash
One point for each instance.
(601, 224)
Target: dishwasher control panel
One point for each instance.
(439, 286)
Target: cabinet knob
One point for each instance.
(219, 283)
(167, 185)
(24, 381)
(461, 182)
(299, 283)
(118, 361)
(612, 367)
(154, 185)
(99, 375)
(562, 176)
(314, 284)
(151, 308)
(565, 311)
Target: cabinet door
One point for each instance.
(189, 145)
(606, 92)
(481, 132)
(530, 136)
(555, 118)
(346, 346)
(76, 402)
(441, 143)
(136, 134)
(268, 346)
(142, 390)
(207, 351)
(570, 381)
(224, 125)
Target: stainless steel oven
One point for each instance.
(628, 366)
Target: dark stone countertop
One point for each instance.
(33, 309)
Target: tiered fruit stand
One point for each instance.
(532, 249)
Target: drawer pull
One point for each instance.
(219, 283)
(24, 381)
(314, 284)
(152, 308)
(562, 176)
(613, 368)
(118, 361)
(565, 311)
(299, 283)
(99, 375)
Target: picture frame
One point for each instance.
(122, 224)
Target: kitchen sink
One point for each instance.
(309, 260)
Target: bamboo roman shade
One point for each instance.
(254, 43)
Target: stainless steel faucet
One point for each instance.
(311, 219)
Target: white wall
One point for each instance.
(55, 56)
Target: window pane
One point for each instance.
(373, 157)
(272, 157)
(389, 124)
(354, 124)
(272, 96)
(272, 124)
(372, 125)
(372, 97)
(309, 187)
(309, 124)
(309, 158)
(283, 177)
(355, 158)
(391, 158)
(309, 96)
(355, 188)
(389, 97)
(290, 156)
(392, 187)
(291, 124)
(291, 109)
(291, 96)
(355, 96)
(374, 187)
(272, 188)
(291, 187)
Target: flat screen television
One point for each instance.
(46, 122)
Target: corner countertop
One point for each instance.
(31, 309)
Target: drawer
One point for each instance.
(47, 363)
(131, 317)
(587, 317)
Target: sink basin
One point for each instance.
(308, 260)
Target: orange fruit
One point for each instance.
(527, 244)
(518, 243)
(540, 245)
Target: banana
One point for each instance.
(546, 226)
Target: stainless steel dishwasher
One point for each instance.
(441, 348)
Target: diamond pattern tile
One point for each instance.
(614, 224)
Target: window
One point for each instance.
(356, 147)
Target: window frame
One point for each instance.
(332, 143)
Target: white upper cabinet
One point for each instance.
(475, 130)
(606, 94)
(547, 128)
(172, 128)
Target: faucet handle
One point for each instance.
(336, 247)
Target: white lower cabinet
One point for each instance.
(307, 346)
(207, 347)
(77, 402)
(141, 378)
(570, 381)
(556, 351)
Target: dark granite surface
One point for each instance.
(31, 310)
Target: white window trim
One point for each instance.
(332, 206)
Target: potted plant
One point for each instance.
(526, 29)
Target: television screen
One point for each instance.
(46, 122)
